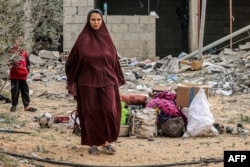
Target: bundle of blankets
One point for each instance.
(164, 103)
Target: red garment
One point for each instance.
(99, 111)
(93, 60)
(94, 66)
(19, 70)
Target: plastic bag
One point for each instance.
(74, 123)
(200, 119)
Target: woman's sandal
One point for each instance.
(93, 150)
(109, 149)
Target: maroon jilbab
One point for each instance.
(93, 67)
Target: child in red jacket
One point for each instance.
(18, 75)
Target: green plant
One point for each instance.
(40, 22)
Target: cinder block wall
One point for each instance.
(133, 36)
(75, 15)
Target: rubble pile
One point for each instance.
(226, 73)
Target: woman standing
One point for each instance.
(93, 71)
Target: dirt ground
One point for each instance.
(57, 146)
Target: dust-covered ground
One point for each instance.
(57, 146)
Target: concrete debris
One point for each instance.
(54, 55)
(36, 60)
(226, 73)
(143, 88)
(129, 76)
(228, 51)
(239, 129)
(124, 62)
(245, 47)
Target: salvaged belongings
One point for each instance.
(185, 93)
(200, 119)
(170, 119)
(133, 99)
(172, 127)
(125, 112)
(164, 103)
(143, 123)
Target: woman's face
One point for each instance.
(95, 21)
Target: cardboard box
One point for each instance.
(186, 92)
(162, 88)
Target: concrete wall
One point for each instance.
(75, 15)
(133, 36)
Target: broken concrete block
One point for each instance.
(245, 47)
(36, 60)
(47, 55)
(227, 51)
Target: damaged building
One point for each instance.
(157, 28)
